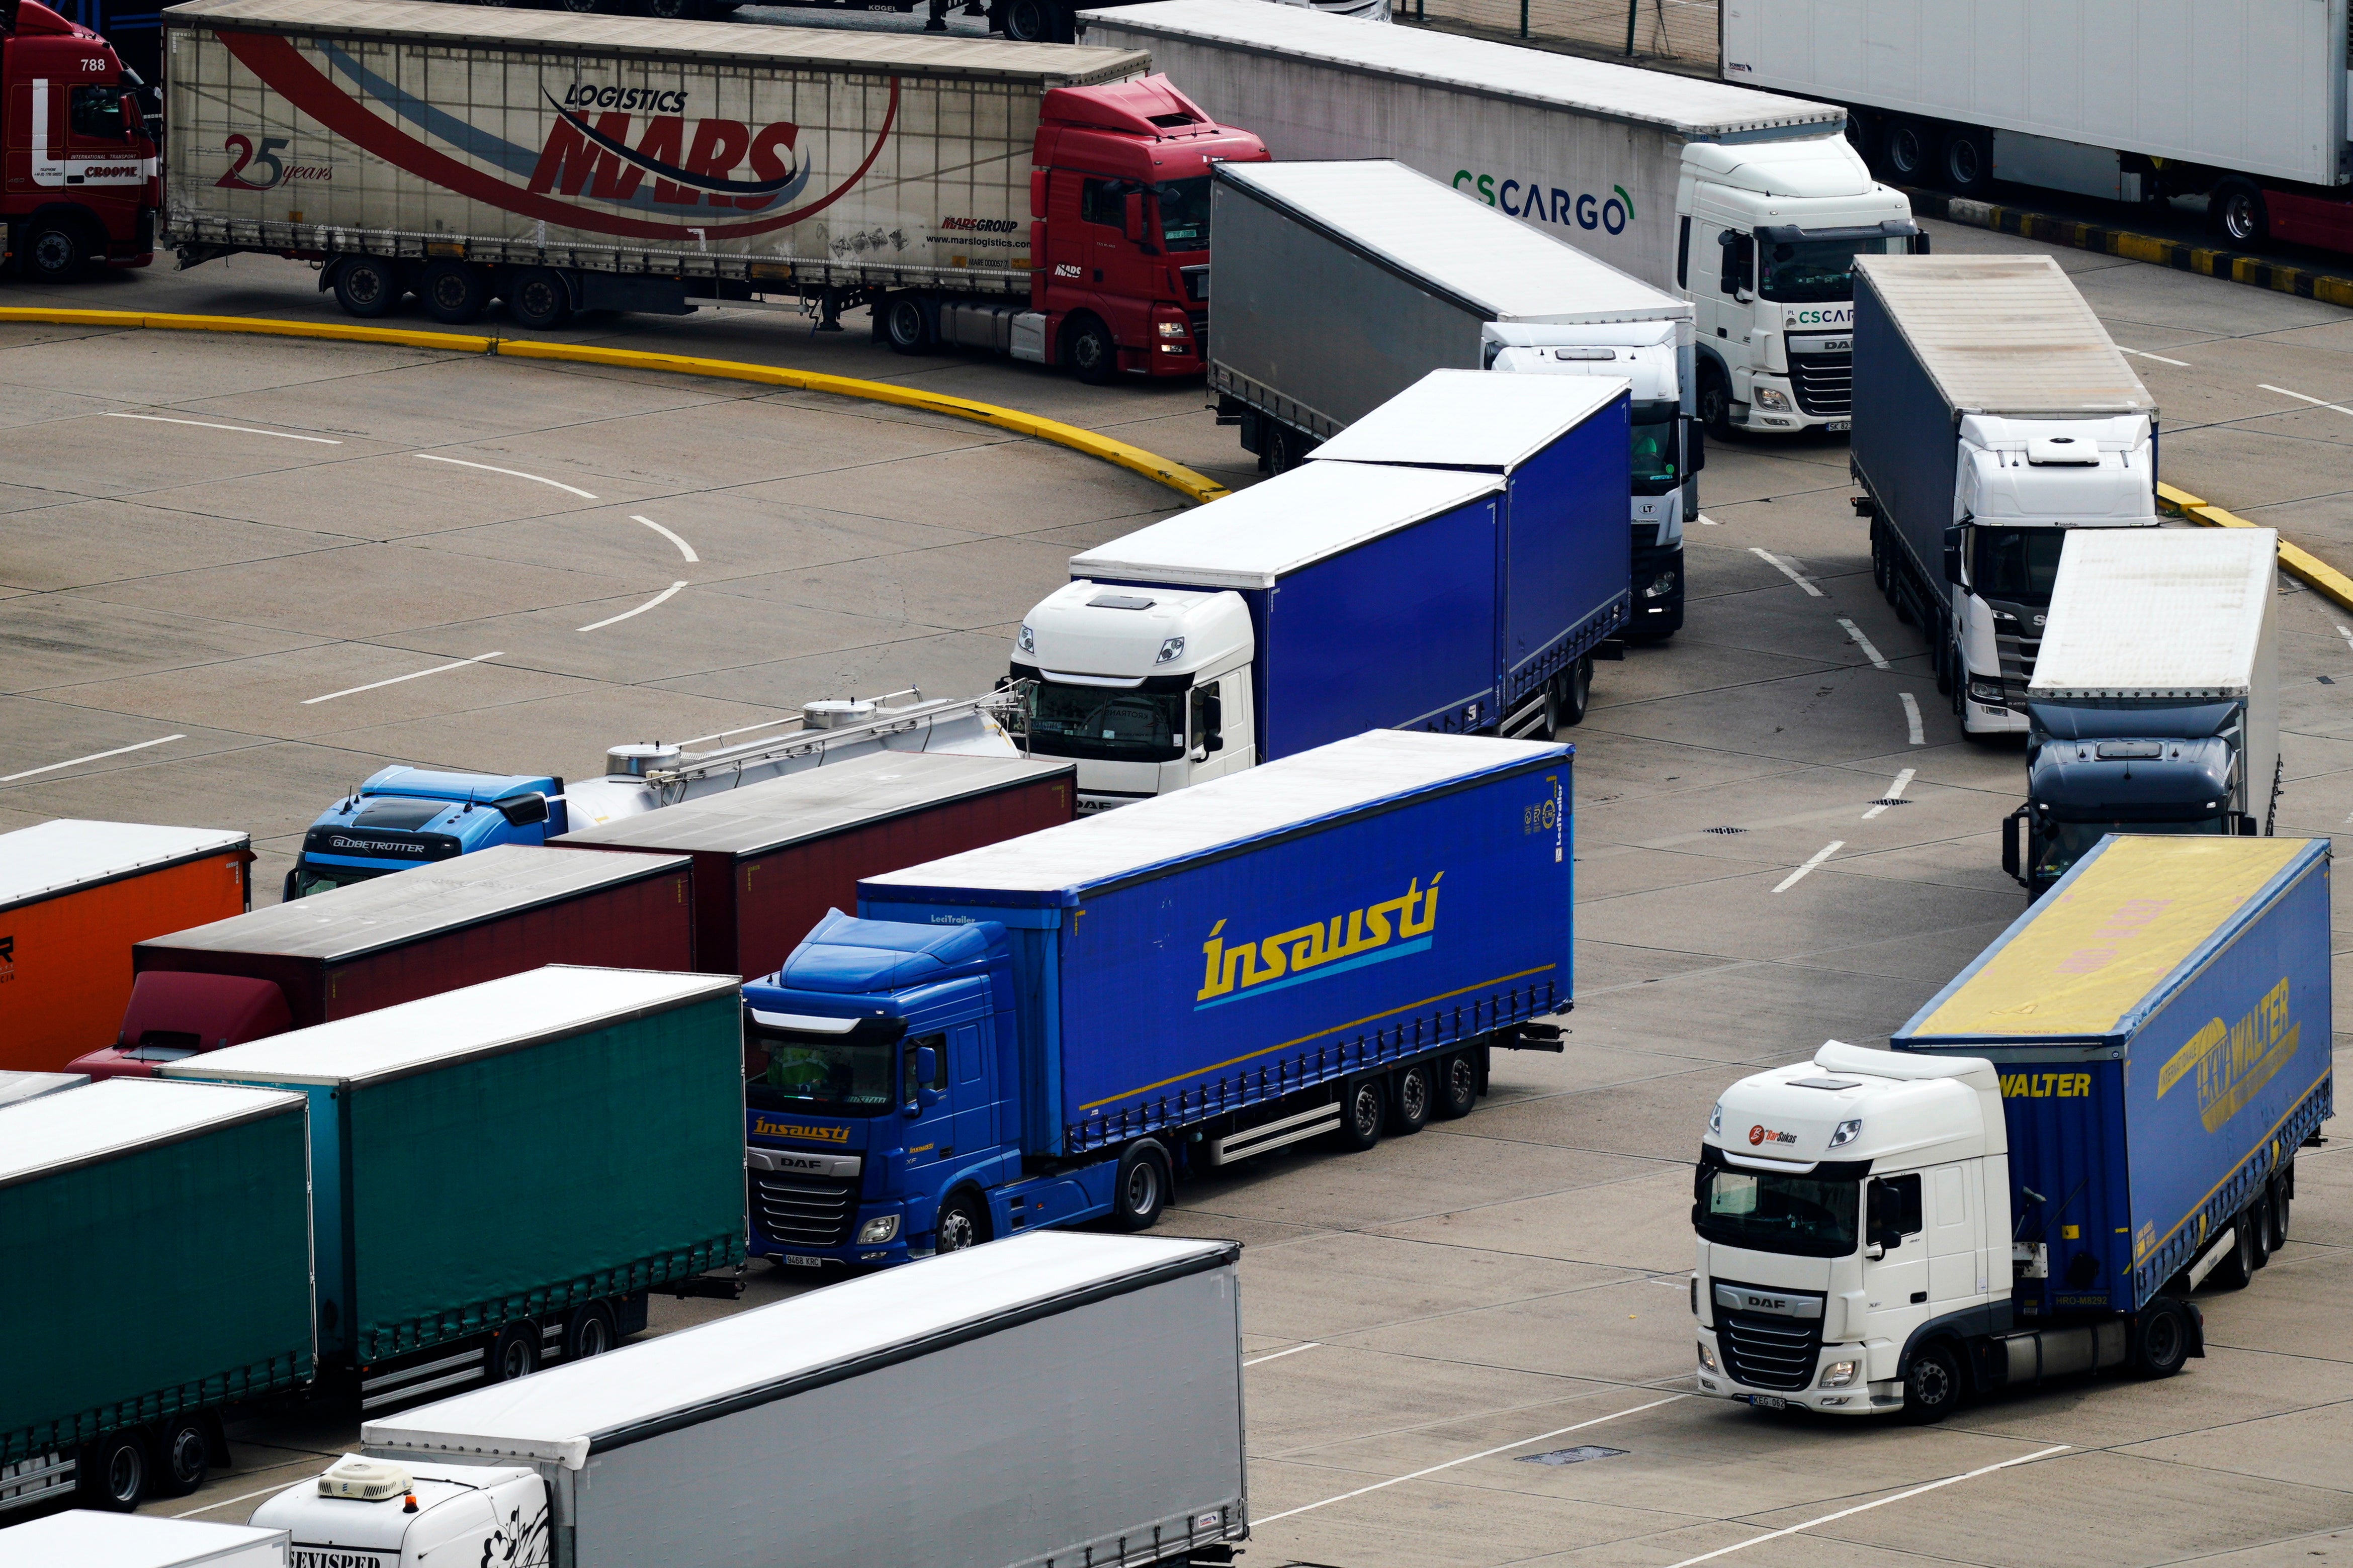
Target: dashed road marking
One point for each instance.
(1798, 875)
(2347, 633)
(1895, 792)
(640, 610)
(1278, 1355)
(684, 547)
(1878, 659)
(1783, 567)
(2300, 398)
(511, 473)
(1708, 521)
(93, 757)
(1915, 734)
(239, 429)
(2144, 353)
(226, 1502)
(412, 675)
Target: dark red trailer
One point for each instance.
(415, 933)
(772, 858)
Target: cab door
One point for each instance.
(1896, 1284)
(973, 1090)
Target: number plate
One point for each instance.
(1839, 425)
(1769, 1402)
(796, 1261)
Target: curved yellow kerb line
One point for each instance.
(1175, 476)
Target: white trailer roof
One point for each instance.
(559, 1415)
(2157, 612)
(15, 1087)
(1474, 419)
(1688, 106)
(87, 1539)
(107, 1118)
(2005, 334)
(1251, 538)
(1346, 775)
(1456, 246)
(474, 1020)
(785, 48)
(54, 858)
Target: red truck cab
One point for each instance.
(174, 1015)
(1119, 237)
(78, 186)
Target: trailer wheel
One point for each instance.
(1025, 21)
(1410, 1097)
(1458, 1087)
(2236, 212)
(2160, 1338)
(1946, 657)
(1879, 563)
(1932, 1383)
(515, 1352)
(1575, 686)
(111, 1474)
(56, 249)
(186, 1457)
(539, 298)
(1968, 161)
(1089, 351)
(2256, 1216)
(368, 286)
(1363, 1107)
(590, 1331)
(1905, 150)
(1139, 1190)
(961, 1222)
(906, 325)
(454, 291)
(678, 10)
(2237, 1269)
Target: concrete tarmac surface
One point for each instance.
(1470, 1347)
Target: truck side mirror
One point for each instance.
(1695, 447)
(927, 1069)
(1920, 243)
(2249, 827)
(134, 123)
(522, 810)
(1213, 721)
(1132, 216)
(2011, 825)
(1735, 275)
(1953, 553)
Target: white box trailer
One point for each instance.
(1749, 204)
(86, 1538)
(2127, 102)
(1055, 1396)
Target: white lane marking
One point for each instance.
(2347, 633)
(1708, 521)
(1482, 1453)
(1278, 1355)
(1824, 853)
(1867, 1507)
(1916, 735)
(1783, 567)
(2300, 398)
(684, 547)
(640, 610)
(1878, 659)
(413, 675)
(511, 473)
(239, 429)
(227, 1503)
(93, 757)
(2144, 353)
(1895, 792)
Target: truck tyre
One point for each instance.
(1904, 149)
(2256, 1216)
(1025, 21)
(1948, 657)
(538, 298)
(1932, 1383)
(2160, 1338)
(1410, 1097)
(1575, 685)
(1714, 400)
(454, 291)
(111, 1474)
(186, 1457)
(1879, 563)
(1285, 449)
(963, 1222)
(2235, 211)
(1363, 1105)
(678, 10)
(56, 250)
(906, 325)
(515, 1352)
(368, 286)
(1139, 1191)
(1458, 1087)
(590, 1331)
(1090, 352)
(2237, 1269)
(1966, 161)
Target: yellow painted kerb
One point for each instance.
(2126, 922)
(1175, 476)
(2295, 559)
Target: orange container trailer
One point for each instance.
(74, 897)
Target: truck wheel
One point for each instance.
(454, 291)
(1409, 1099)
(1090, 352)
(515, 1352)
(1363, 1107)
(1576, 684)
(590, 1331)
(1714, 400)
(2237, 1269)
(1879, 563)
(1905, 150)
(54, 250)
(2160, 1338)
(1458, 1087)
(1932, 1385)
(1966, 161)
(1025, 21)
(186, 1457)
(2235, 211)
(538, 299)
(1140, 1189)
(906, 324)
(368, 286)
(2256, 1217)
(112, 1474)
(961, 1222)
(1946, 657)
(678, 10)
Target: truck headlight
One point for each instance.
(1715, 1120)
(1172, 329)
(1985, 691)
(882, 1228)
(1172, 647)
(1660, 586)
(1706, 1356)
(1839, 1373)
(1846, 1132)
(1770, 398)
(1026, 640)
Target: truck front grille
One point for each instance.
(1200, 322)
(1824, 384)
(2017, 655)
(1769, 1352)
(814, 1211)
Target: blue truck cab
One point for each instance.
(404, 816)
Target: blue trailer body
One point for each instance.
(1201, 959)
(1560, 446)
(2166, 1047)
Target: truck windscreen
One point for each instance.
(1768, 1212)
(1654, 468)
(2069, 842)
(850, 1074)
(1106, 724)
(2016, 563)
(310, 879)
(1812, 271)
(1184, 213)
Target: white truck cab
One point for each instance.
(1147, 691)
(376, 1513)
(1769, 234)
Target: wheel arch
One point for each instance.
(1956, 1329)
